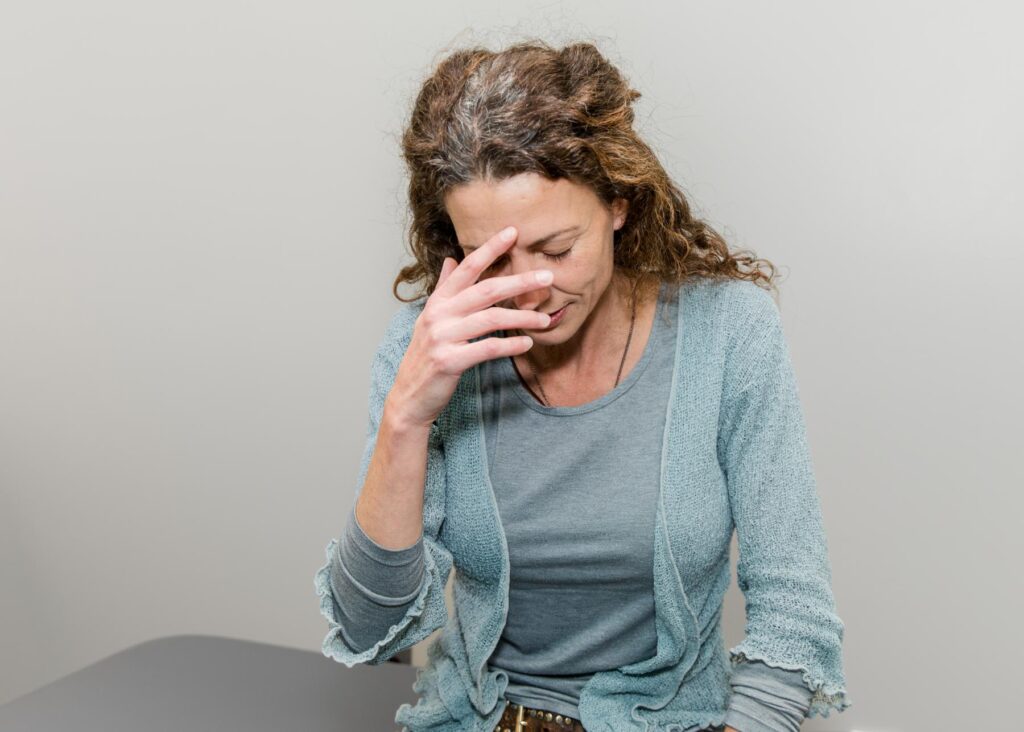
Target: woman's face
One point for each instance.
(579, 254)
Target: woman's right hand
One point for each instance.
(460, 308)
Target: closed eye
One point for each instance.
(552, 257)
(560, 255)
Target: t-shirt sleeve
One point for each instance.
(767, 699)
(373, 586)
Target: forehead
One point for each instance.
(533, 204)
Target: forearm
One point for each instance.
(373, 586)
(389, 507)
(766, 699)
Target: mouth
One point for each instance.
(557, 316)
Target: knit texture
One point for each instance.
(734, 457)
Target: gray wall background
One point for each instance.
(202, 211)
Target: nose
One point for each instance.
(531, 299)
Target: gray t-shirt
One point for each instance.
(576, 489)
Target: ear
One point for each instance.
(620, 207)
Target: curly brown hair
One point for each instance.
(532, 108)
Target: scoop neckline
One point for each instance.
(653, 341)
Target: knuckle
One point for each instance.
(429, 336)
(489, 288)
(426, 319)
(433, 337)
(437, 360)
(490, 318)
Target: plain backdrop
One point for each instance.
(202, 210)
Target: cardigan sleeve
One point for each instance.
(783, 568)
(428, 610)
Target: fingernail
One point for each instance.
(545, 276)
(508, 233)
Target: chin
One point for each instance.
(559, 334)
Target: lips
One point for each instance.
(556, 317)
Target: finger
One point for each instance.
(494, 319)
(446, 269)
(470, 354)
(477, 261)
(499, 290)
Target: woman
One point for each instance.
(579, 447)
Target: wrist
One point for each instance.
(401, 422)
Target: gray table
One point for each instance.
(198, 683)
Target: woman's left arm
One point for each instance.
(783, 568)
(766, 699)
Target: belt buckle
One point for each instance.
(521, 722)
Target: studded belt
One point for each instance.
(518, 718)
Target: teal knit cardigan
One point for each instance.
(734, 456)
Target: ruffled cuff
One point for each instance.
(825, 695)
(427, 612)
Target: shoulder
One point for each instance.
(398, 331)
(732, 309)
(735, 295)
(404, 318)
(731, 326)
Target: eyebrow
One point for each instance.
(543, 240)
